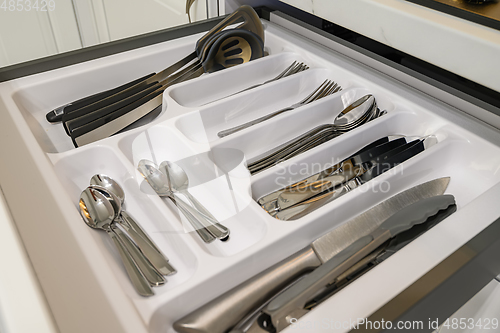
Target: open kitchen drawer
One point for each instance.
(86, 287)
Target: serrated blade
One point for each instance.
(338, 239)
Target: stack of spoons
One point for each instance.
(101, 208)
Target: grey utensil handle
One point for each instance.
(194, 218)
(235, 129)
(150, 273)
(220, 230)
(138, 280)
(155, 256)
(224, 312)
(416, 213)
(297, 296)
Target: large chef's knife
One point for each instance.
(224, 312)
(296, 297)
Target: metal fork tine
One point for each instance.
(328, 91)
(305, 100)
(320, 93)
(332, 90)
(299, 68)
(286, 71)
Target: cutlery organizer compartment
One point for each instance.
(212, 88)
(186, 133)
(75, 171)
(253, 104)
(219, 186)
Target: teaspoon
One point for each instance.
(179, 183)
(149, 271)
(151, 251)
(161, 185)
(98, 213)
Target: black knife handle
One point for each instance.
(75, 133)
(75, 113)
(375, 152)
(413, 148)
(56, 115)
(87, 118)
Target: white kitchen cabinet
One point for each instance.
(34, 29)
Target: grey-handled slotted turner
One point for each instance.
(296, 297)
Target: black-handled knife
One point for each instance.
(71, 121)
(114, 122)
(57, 114)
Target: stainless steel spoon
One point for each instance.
(150, 273)
(179, 183)
(161, 185)
(98, 213)
(155, 256)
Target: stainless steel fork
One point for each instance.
(328, 87)
(294, 68)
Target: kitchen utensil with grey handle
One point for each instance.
(225, 311)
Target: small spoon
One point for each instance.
(149, 271)
(161, 185)
(151, 251)
(98, 213)
(179, 182)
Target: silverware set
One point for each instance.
(358, 113)
(307, 195)
(327, 88)
(169, 180)
(101, 208)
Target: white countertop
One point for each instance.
(457, 45)
(22, 304)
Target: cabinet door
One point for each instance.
(116, 19)
(31, 29)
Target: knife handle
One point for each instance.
(224, 312)
(72, 121)
(116, 121)
(57, 114)
(297, 295)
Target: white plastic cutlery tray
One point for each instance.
(84, 265)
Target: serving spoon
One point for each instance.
(98, 213)
(151, 251)
(179, 183)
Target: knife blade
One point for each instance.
(297, 296)
(225, 311)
